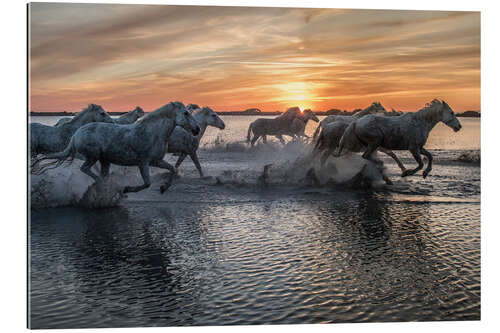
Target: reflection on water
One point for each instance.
(348, 257)
(236, 253)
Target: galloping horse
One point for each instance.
(276, 126)
(142, 144)
(298, 127)
(184, 143)
(127, 118)
(375, 107)
(130, 117)
(330, 137)
(406, 132)
(50, 139)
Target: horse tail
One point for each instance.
(250, 127)
(348, 135)
(317, 131)
(67, 155)
(319, 142)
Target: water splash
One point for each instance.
(68, 186)
(106, 193)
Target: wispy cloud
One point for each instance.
(234, 57)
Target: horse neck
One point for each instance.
(133, 116)
(429, 117)
(361, 113)
(71, 126)
(160, 129)
(79, 120)
(202, 123)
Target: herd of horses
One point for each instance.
(136, 139)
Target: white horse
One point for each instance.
(191, 107)
(127, 118)
(329, 139)
(183, 143)
(49, 139)
(130, 117)
(375, 107)
(142, 144)
(63, 120)
(406, 132)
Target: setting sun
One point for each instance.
(295, 57)
(296, 94)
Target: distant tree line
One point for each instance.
(256, 112)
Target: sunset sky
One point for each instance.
(234, 58)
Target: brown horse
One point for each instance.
(276, 126)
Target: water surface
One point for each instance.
(208, 253)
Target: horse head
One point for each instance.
(449, 118)
(309, 115)
(191, 107)
(212, 118)
(184, 118)
(139, 111)
(97, 114)
(376, 107)
(291, 113)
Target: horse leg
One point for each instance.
(104, 168)
(394, 157)
(179, 161)
(283, 142)
(368, 154)
(144, 169)
(381, 164)
(164, 165)
(429, 164)
(416, 156)
(196, 162)
(264, 138)
(327, 154)
(85, 168)
(255, 138)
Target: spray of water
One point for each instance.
(68, 186)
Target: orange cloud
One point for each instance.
(232, 58)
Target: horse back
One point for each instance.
(47, 139)
(263, 126)
(395, 133)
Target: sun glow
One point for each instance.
(296, 93)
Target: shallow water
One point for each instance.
(225, 250)
(441, 137)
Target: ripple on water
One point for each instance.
(346, 258)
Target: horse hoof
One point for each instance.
(164, 187)
(405, 174)
(424, 175)
(126, 189)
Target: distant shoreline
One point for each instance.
(466, 114)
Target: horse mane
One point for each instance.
(166, 111)
(304, 114)
(290, 113)
(205, 110)
(84, 111)
(429, 113)
(367, 110)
